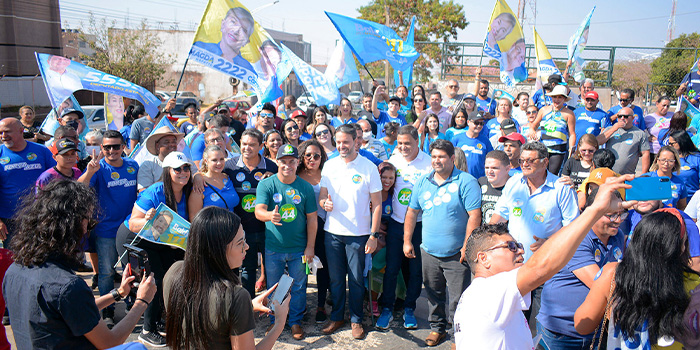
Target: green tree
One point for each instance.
(673, 64)
(132, 54)
(632, 75)
(436, 21)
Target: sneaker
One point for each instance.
(384, 319)
(94, 282)
(409, 319)
(160, 327)
(6, 320)
(153, 339)
(321, 316)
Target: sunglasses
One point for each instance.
(453, 86)
(293, 127)
(267, 115)
(314, 156)
(624, 116)
(419, 100)
(528, 161)
(112, 147)
(531, 112)
(478, 123)
(180, 169)
(625, 100)
(513, 246)
(322, 132)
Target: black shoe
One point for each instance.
(6, 320)
(321, 316)
(108, 317)
(94, 282)
(84, 268)
(160, 327)
(153, 339)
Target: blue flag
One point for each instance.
(407, 74)
(371, 42)
(141, 154)
(62, 77)
(577, 43)
(341, 67)
(322, 89)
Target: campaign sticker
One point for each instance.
(517, 211)
(290, 192)
(598, 255)
(405, 196)
(130, 170)
(240, 177)
(257, 175)
(441, 191)
(296, 199)
(248, 203)
(31, 156)
(617, 253)
(245, 186)
(428, 205)
(437, 201)
(387, 209)
(4, 160)
(114, 175)
(214, 197)
(356, 178)
(277, 198)
(288, 212)
(539, 215)
(446, 198)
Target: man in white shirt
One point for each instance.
(489, 314)
(348, 185)
(369, 143)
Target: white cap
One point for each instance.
(175, 160)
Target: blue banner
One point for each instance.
(141, 154)
(407, 74)
(322, 89)
(62, 77)
(577, 43)
(341, 67)
(371, 42)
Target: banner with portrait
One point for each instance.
(114, 111)
(323, 90)
(166, 227)
(50, 123)
(506, 43)
(230, 41)
(545, 64)
(62, 77)
(577, 43)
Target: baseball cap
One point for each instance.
(508, 126)
(223, 108)
(395, 98)
(476, 115)
(598, 177)
(470, 97)
(72, 110)
(592, 94)
(514, 136)
(175, 160)
(287, 150)
(63, 145)
(297, 113)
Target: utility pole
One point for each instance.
(387, 77)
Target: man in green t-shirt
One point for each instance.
(290, 229)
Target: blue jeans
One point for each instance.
(395, 259)
(106, 258)
(274, 268)
(557, 341)
(249, 269)
(346, 256)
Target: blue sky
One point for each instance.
(614, 23)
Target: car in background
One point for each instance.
(180, 104)
(306, 99)
(355, 97)
(184, 94)
(95, 117)
(162, 95)
(235, 105)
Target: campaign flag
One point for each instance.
(166, 227)
(50, 123)
(692, 112)
(499, 94)
(371, 42)
(62, 77)
(506, 43)
(114, 111)
(321, 88)
(577, 43)
(341, 67)
(545, 64)
(230, 41)
(407, 74)
(141, 154)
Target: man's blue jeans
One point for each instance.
(106, 258)
(346, 256)
(394, 261)
(553, 340)
(274, 268)
(249, 269)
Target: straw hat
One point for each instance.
(559, 90)
(158, 134)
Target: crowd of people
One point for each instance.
(509, 212)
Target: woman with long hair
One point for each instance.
(666, 163)
(679, 122)
(290, 132)
(522, 101)
(690, 160)
(458, 124)
(312, 157)
(658, 121)
(344, 113)
(492, 128)
(558, 126)
(271, 144)
(431, 133)
(418, 107)
(323, 133)
(648, 292)
(219, 190)
(173, 190)
(578, 167)
(207, 306)
(530, 113)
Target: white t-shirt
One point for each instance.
(408, 175)
(350, 186)
(490, 315)
(693, 206)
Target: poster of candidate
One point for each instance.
(506, 43)
(114, 111)
(166, 227)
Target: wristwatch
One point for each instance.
(375, 234)
(116, 295)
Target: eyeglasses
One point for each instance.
(625, 100)
(322, 132)
(452, 86)
(672, 143)
(267, 115)
(314, 156)
(293, 127)
(613, 217)
(478, 123)
(218, 139)
(528, 161)
(624, 116)
(180, 169)
(666, 161)
(419, 100)
(586, 151)
(531, 112)
(513, 246)
(112, 147)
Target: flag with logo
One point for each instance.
(230, 41)
(62, 77)
(323, 90)
(506, 43)
(406, 74)
(114, 111)
(341, 67)
(50, 123)
(166, 227)
(371, 41)
(545, 64)
(141, 154)
(577, 43)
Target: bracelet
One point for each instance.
(144, 300)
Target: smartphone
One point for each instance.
(284, 286)
(649, 189)
(138, 261)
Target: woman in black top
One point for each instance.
(578, 167)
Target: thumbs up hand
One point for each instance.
(276, 218)
(328, 204)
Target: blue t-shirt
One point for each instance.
(430, 140)
(690, 173)
(197, 148)
(678, 189)
(228, 193)
(154, 195)
(116, 190)
(390, 148)
(488, 105)
(475, 150)
(445, 210)
(540, 99)
(492, 130)
(363, 152)
(452, 132)
(384, 118)
(187, 127)
(126, 132)
(19, 172)
(387, 209)
(336, 121)
(588, 122)
(638, 117)
(305, 136)
(564, 292)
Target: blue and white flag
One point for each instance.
(577, 43)
(322, 89)
(341, 67)
(406, 74)
(372, 41)
(141, 154)
(62, 77)
(505, 42)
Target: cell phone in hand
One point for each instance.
(649, 189)
(138, 261)
(284, 286)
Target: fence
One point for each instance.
(650, 71)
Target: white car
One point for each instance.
(95, 117)
(355, 97)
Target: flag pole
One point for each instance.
(181, 74)
(370, 74)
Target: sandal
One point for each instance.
(434, 338)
